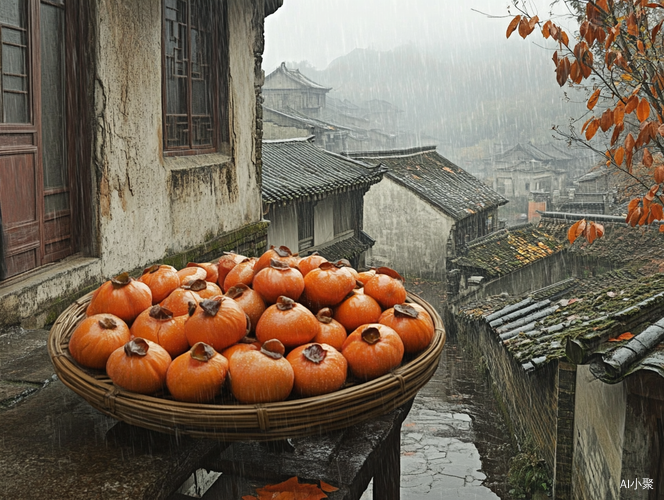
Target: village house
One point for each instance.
(424, 211)
(531, 176)
(503, 260)
(123, 143)
(577, 362)
(314, 199)
(291, 124)
(295, 106)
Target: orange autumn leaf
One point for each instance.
(619, 114)
(590, 233)
(661, 228)
(643, 110)
(593, 99)
(290, 489)
(632, 27)
(631, 104)
(592, 128)
(524, 28)
(249, 497)
(606, 121)
(619, 156)
(576, 230)
(622, 336)
(512, 26)
(656, 213)
(562, 71)
(659, 174)
(328, 488)
(629, 142)
(647, 158)
(616, 132)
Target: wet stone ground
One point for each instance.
(454, 443)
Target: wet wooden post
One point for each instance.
(387, 479)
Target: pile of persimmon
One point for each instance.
(264, 329)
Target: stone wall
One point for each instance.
(150, 206)
(529, 401)
(599, 430)
(146, 207)
(411, 235)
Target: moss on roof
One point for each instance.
(507, 250)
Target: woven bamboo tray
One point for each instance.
(237, 422)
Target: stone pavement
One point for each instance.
(454, 436)
(439, 455)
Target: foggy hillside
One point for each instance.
(466, 102)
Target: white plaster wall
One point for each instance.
(599, 425)
(273, 131)
(324, 221)
(148, 206)
(283, 227)
(411, 235)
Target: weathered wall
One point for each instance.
(599, 426)
(274, 131)
(150, 206)
(283, 227)
(529, 401)
(410, 234)
(529, 278)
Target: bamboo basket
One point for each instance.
(240, 422)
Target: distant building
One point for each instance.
(425, 209)
(295, 106)
(289, 89)
(314, 199)
(279, 125)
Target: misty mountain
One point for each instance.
(469, 99)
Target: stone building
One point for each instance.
(296, 106)
(289, 89)
(503, 260)
(314, 199)
(122, 143)
(576, 362)
(425, 210)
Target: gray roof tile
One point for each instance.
(295, 169)
(437, 180)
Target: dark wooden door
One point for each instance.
(35, 205)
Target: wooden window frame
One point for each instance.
(26, 138)
(218, 84)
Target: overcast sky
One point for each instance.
(319, 31)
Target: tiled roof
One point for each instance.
(348, 248)
(300, 118)
(437, 180)
(295, 169)
(601, 171)
(543, 153)
(624, 246)
(575, 320)
(295, 76)
(507, 250)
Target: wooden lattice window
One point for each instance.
(192, 78)
(14, 63)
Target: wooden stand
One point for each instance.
(347, 459)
